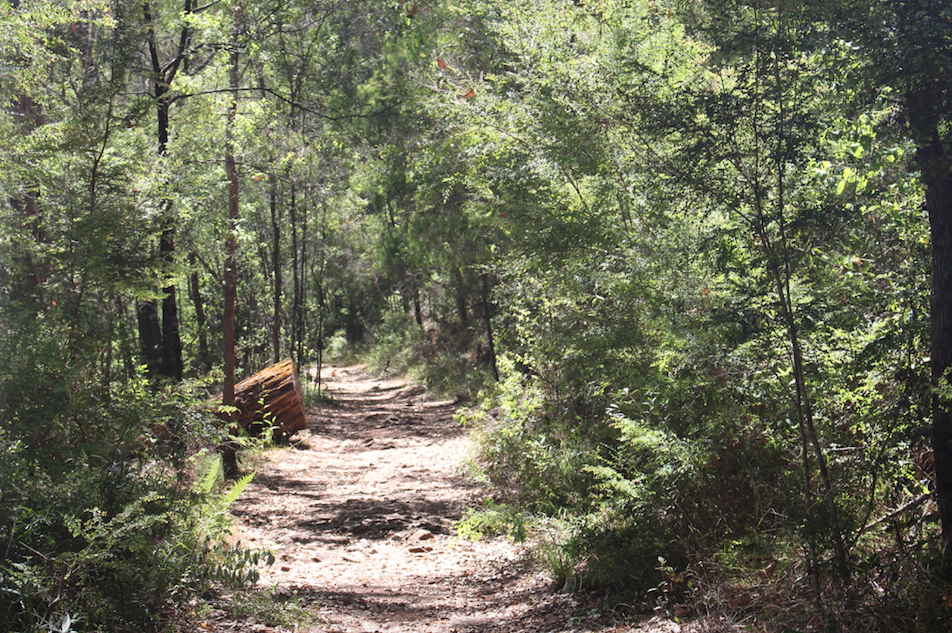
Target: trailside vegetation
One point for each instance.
(685, 260)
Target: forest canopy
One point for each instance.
(688, 260)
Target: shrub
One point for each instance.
(104, 535)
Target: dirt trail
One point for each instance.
(360, 518)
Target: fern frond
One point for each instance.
(235, 491)
(210, 478)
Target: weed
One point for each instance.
(270, 607)
(493, 519)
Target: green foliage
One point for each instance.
(270, 607)
(678, 200)
(600, 500)
(395, 342)
(338, 350)
(214, 518)
(556, 550)
(693, 232)
(492, 519)
(440, 356)
(532, 458)
(108, 544)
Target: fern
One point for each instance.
(212, 518)
(236, 489)
(208, 480)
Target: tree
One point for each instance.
(675, 195)
(162, 349)
(907, 48)
(923, 37)
(94, 453)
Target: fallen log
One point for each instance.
(270, 397)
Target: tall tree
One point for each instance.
(230, 273)
(162, 344)
(907, 48)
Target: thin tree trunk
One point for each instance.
(276, 267)
(841, 554)
(320, 297)
(295, 280)
(201, 321)
(460, 298)
(229, 456)
(106, 380)
(488, 324)
(415, 295)
(302, 315)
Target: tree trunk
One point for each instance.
(229, 457)
(201, 321)
(276, 267)
(939, 205)
(150, 335)
(415, 293)
(126, 338)
(937, 179)
(321, 306)
(27, 283)
(460, 298)
(166, 358)
(171, 342)
(305, 262)
(106, 379)
(172, 365)
(488, 323)
(295, 280)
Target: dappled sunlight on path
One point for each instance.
(360, 515)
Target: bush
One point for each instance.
(105, 535)
(601, 493)
(534, 458)
(447, 359)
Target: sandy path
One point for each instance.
(360, 518)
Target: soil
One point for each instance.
(359, 513)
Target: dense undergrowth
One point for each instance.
(113, 511)
(449, 360)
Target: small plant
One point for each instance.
(671, 590)
(270, 607)
(555, 549)
(234, 566)
(65, 625)
(493, 519)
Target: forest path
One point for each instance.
(360, 518)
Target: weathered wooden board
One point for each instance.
(272, 394)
